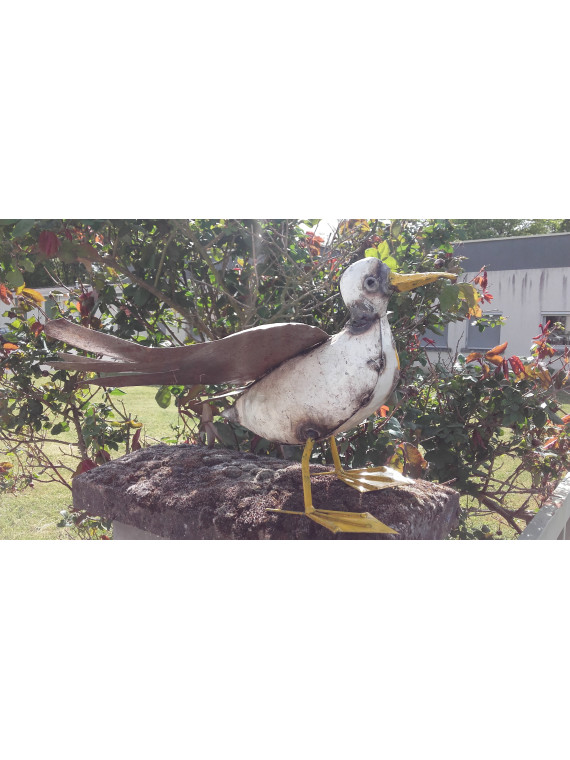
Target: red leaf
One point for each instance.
(6, 295)
(543, 331)
(10, 347)
(86, 303)
(497, 350)
(505, 369)
(481, 278)
(48, 243)
(517, 366)
(135, 443)
(429, 341)
(542, 348)
(476, 441)
(37, 328)
(85, 466)
(102, 456)
(383, 411)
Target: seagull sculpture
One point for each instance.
(304, 385)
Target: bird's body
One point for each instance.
(307, 386)
(327, 390)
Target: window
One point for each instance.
(439, 341)
(490, 337)
(561, 334)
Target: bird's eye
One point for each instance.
(371, 284)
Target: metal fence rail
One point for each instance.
(552, 521)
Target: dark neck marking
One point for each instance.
(360, 323)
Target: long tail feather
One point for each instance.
(85, 364)
(92, 340)
(146, 378)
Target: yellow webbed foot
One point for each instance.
(343, 522)
(367, 478)
(349, 522)
(373, 478)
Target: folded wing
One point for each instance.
(239, 358)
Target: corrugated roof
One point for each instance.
(520, 252)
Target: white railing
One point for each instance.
(552, 521)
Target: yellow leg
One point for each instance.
(367, 478)
(337, 522)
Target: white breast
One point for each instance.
(386, 381)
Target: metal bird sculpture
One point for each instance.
(304, 385)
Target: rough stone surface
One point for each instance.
(192, 492)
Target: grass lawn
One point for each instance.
(35, 512)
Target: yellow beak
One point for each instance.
(404, 282)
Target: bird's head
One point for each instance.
(367, 285)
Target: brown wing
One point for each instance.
(239, 358)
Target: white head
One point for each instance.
(365, 287)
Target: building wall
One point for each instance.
(522, 297)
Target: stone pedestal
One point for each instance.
(193, 492)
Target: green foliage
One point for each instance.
(167, 282)
(480, 229)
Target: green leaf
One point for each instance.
(395, 229)
(383, 250)
(23, 227)
(390, 262)
(225, 433)
(141, 297)
(68, 252)
(449, 297)
(116, 392)
(554, 417)
(28, 265)
(13, 277)
(469, 293)
(163, 396)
